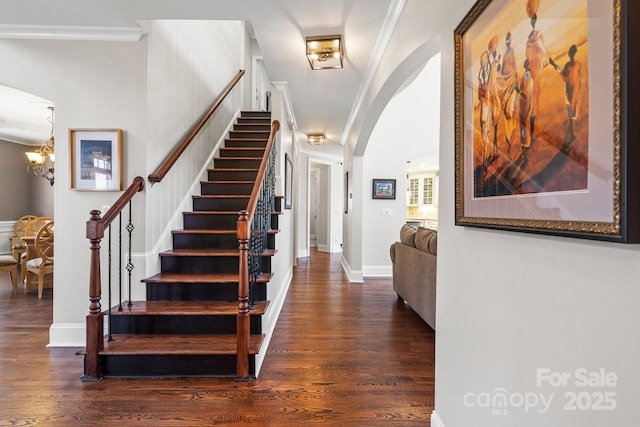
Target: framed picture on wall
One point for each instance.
(540, 113)
(96, 159)
(384, 189)
(288, 182)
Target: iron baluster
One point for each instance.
(130, 229)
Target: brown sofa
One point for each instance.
(414, 270)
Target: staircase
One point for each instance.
(187, 325)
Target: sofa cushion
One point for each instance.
(423, 239)
(408, 235)
(433, 244)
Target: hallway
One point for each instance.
(342, 354)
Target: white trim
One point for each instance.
(64, 32)
(435, 420)
(384, 37)
(319, 155)
(323, 248)
(6, 231)
(7, 226)
(67, 335)
(283, 87)
(354, 276)
(273, 313)
(377, 271)
(302, 253)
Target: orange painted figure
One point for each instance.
(572, 76)
(507, 82)
(538, 58)
(489, 101)
(526, 89)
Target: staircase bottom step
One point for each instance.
(187, 345)
(168, 356)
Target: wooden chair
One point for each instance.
(42, 265)
(29, 234)
(17, 245)
(9, 263)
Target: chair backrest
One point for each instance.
(21, 225)
(35, 224)
(44, 242)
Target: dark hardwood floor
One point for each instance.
(342, 354)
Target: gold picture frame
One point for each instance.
(539, 141)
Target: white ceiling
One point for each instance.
(321, 100)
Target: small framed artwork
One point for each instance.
(384, 189)
(346, 192)
(96, 159)
(288, 183)
(542, 118)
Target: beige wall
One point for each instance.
(20, 192)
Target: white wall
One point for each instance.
(93, 85)
(510, 304)
(331, 176)
(189, 64)
(407, 128)
(415, 40)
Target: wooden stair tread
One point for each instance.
(212, 278)
(211, 252)
(221, 196)
(186, 308)
(228, 182)
(237, 158)
(233, 212)
(191, 345)
(212, 231)
(234, 169)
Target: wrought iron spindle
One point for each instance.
(130, 266)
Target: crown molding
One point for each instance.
(384, 37)
(283, 87)
(61, 32)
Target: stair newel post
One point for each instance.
(95, 318)
(242, 321)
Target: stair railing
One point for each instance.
(252, 228)
(96, 227)
(177, 152)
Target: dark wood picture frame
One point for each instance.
(384, 189)
(603, 202)
(288, 182)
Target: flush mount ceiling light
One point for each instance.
(316, 138)
(325, 52)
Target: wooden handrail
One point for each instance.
(97, 225)
(243, 229)
(95, 233)
(159, 174)
(253, 200)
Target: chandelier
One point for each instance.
(42, 160)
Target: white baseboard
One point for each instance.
(377, 271)
(435, 420)
(302, 253)
(67, 335)
(275, 307)
(323, 248)
(353, 275)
